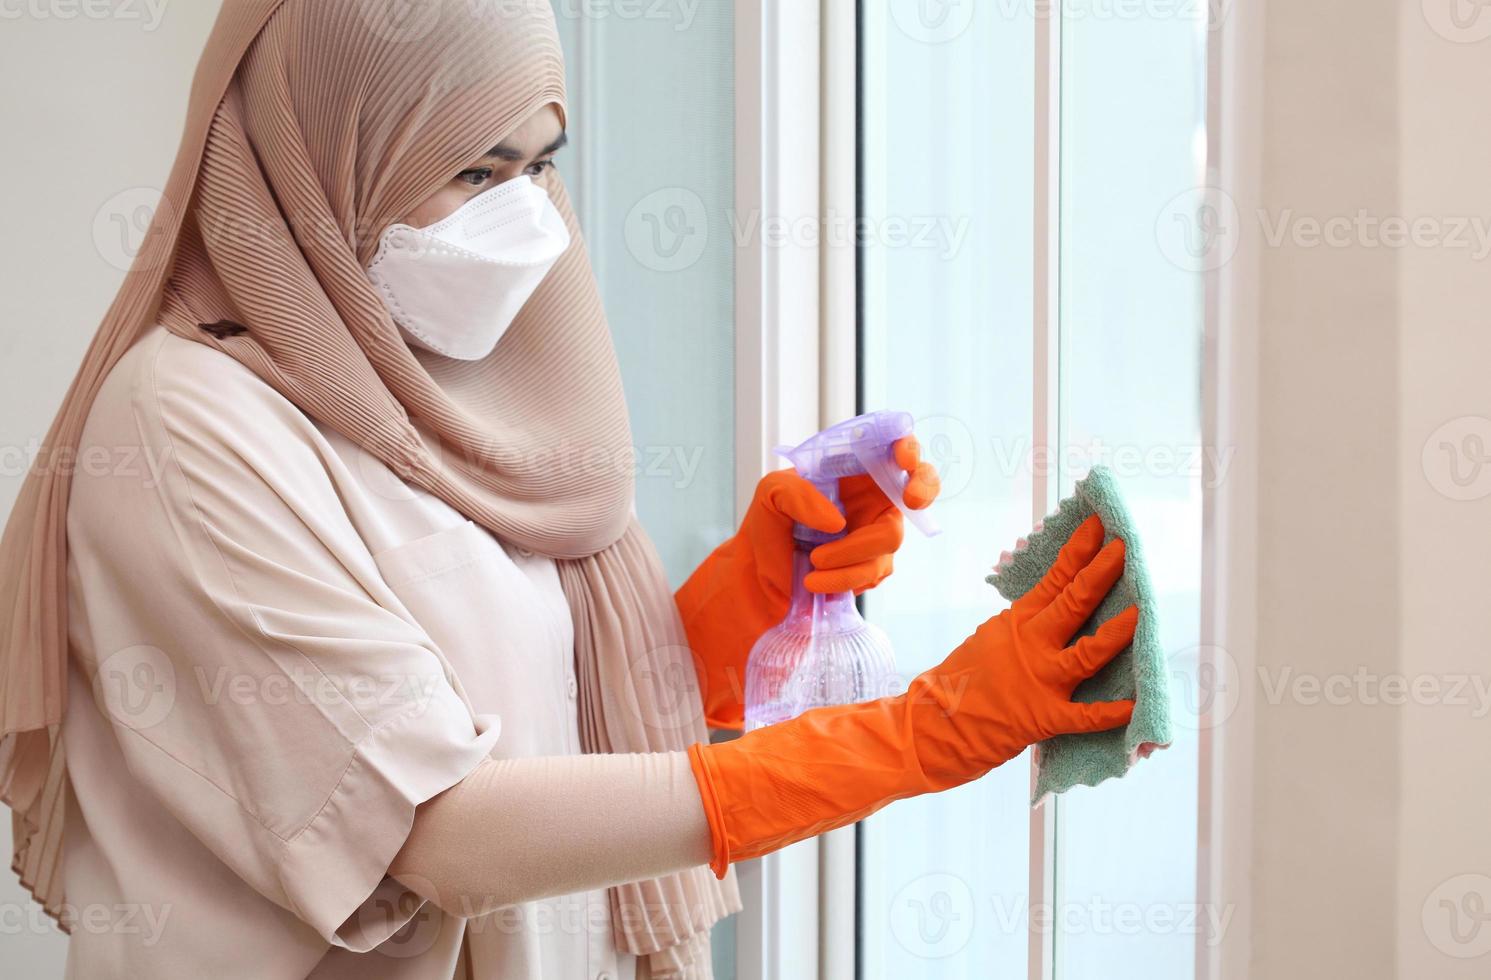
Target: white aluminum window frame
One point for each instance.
(1230, 399)
(778, 384)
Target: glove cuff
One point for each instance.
(703, 775)
(799, 778)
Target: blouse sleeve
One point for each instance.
(244, 647)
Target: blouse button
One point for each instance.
(604, 975)
(523, 551)
(571, 688)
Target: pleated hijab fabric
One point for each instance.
(312, 126)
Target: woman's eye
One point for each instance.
(475, 177)
(536, 169)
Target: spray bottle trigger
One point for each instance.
(892, 480)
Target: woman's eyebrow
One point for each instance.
(504, 152)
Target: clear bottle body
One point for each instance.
(822, 653)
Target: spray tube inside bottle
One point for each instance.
(824, 652)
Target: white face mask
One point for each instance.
(454, 287)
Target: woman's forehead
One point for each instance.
(539, 134)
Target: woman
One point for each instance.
(368, 668)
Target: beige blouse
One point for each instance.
(279, 650)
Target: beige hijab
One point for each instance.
(312, 125)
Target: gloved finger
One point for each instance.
(864, 575)
(923, 487)
(1079, 549)
(881, 536)
(1068, 611)
(923, 483)
(788, 494)
(1091, 653)
(1076, 717)
(861, 499)
(908, 452)
(883, 576)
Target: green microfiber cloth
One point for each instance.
(1139, 672)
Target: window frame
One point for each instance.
(778, 383)
(1230, 524)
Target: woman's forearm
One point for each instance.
(515, 830)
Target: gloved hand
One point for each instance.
(745, 585)
(1007, 686)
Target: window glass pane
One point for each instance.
(946, 226)
(1133, 106)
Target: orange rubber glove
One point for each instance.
(745, 585)
(1007, 686)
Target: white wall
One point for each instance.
(92, 116)
(1444, 569)
(1325, 822)
(1366, 812)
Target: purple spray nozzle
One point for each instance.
(859, 445)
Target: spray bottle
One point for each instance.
(824, 652)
